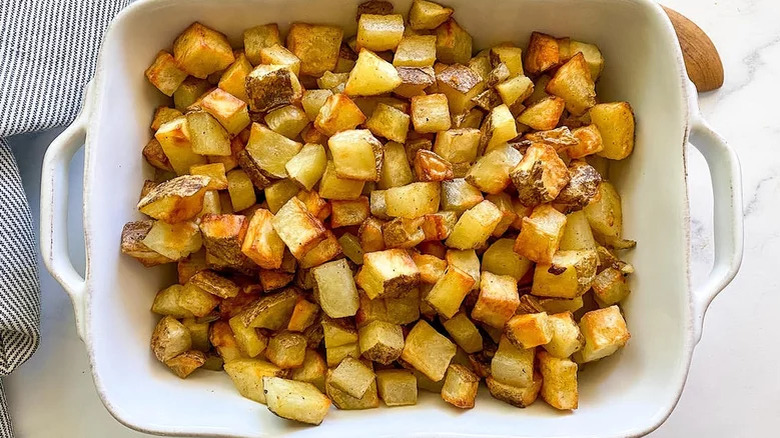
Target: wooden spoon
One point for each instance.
(702, 61)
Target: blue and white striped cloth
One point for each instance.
(48, 50)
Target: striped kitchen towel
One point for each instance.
(47, 54)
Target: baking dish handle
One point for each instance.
(54, 209)
(728, 221)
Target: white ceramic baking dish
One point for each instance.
(628, 394)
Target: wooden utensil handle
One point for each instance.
(702, 60)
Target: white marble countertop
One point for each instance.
(733, 389)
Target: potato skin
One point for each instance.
(583, 186)
(169, 339)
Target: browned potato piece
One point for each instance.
(298, 228)
(279, 55)
(514, 91)
(262, 244)
(458, 195)
(357, 155)
(439, 226)
(133, 234)
(272, 86)
(460, 387)
(335, 289)
(164, 114)
(428, 166)
(207, 136)
(389, 122)
(174, 138)
(200, 51)
(413, 200)
(460, 84)
(371, 76)
(572, 83)
(449, 291)
(464, 332)
(430, 113)
(458, 145)
(333, 82)
(216, 173)
(414, 80)
(381, 341)
(380, 32)
(466, 260)
(453, 43)
(312, 371)
(230, 111)
(589, 141)
(541, 234)
(299, 401)
(431, 267)
(425, 15)
(174, 241)
(529, 330)
(515, 396)
(615, 122)
(233, 80)
(170, 339)
(559, 138)
(501, 259)
(540, 176)
(165, 74)
(498, 128)
(347, 213)
(474, 226)
(271, 151)
(317, 46)
(605, 332)
(303, 315)
(415, 51)
(271, 311)
(352, 377)
(397, 387)
(189, 92)
(511, 365)
(338, 113)
(583, 186)
(166, 303)
(428, 351)
(387, 273)
(214, 284)
(542, 53)
(286, 350)
(222, 338)
(223, 235)
(610, 287)
(566, 336)
(186, 363)
(342, 400)
(175, 200)
(498, 299)
(403, 232)
(313, 100)
(258, 38)
(491, 173)
(376, 7)
(508, 55)
(559, 386)
(544, 114)
(247, 375)
(370, 235)
(396, 171)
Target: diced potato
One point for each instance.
(467, 261)
(231, 112)
(262, 244)
(544, 114)
(460, 387)
(464, 332)
(294, 400)
(338, 113)
(568, 276)
(313, 100)
(431, 113)
(541, 234)
(357, 155)
(223, 235)
(207, 136)
(222, 338)
(497, 301)
(474, 226)
(174, 241)
(381, 341)
(542, 53)
(286, 349)
(352, 377)
(174, 138)
(425, 15)
(396, 171)
(413, 200)
(515, 396)
(508, 55)
(610, 287)
(133, 235)
(498, 128)
(165, 74)
(577, 234)
(200, 51)
(188, 92)
(162, 115)
(247, 375)
(196, 300)
(428, 351)
(237, 146)
(278, 193)
(312, 371)
(566, 336)
(170, 338)
(317, 46)
(298, 228)
(513, 366)
(175, 200)
(458, 195)
(529, 330)
(431, 267)
(371, 76)
(303, 315)
(377, 7)
(271, 311)
(258, 38)
(540, 176)
(271, 86)
(558, 305)
(249, 340)
(215, 172)
(397, 387)
(415, 51)
(380, 32)
(589, 141)
(403, 233)
(307, 166)
(336, 289)
(605, 214)
(214, 284)
(491, 173)
(438, 226)
(460, 84)
(559, 387)
(389, 122)
(514, 91)
(453, 43)
(573, 83)
(605, 332)
(233, 80)
(449, 291)
(272, 279)
(333, 82)
(615, 122)
(279, 55)
(186, 363)
(501, 259)
(271, 151)
(287, 120)
(458, 145)
(387, 273)
(242, 192)
(342, 400)
(414, 80)
(166, 303)
(348, 213)
(582, 189)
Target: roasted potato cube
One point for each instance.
(317, 46)
(377, 7)
(428, 166)
(216, 174)
(573, 83)
(497, 301)
(464, 332)
(334, 82)
(541, 234)
(498, 128)
(583, 186)
(387, 273)
(457, 145)
(262, 244)
(501, 259)
(414, 80)
(186, 363)
(207, 136)
(350, 246)
(381, 341)
(170, 339)
(247, 375)
(428, 351)
(397, 387)
(610, 287)
(313, 100)
(287, 120)
(559, 386)
(513, 366)
(438, 226)
(615, 122)
(214, 284)
(510, 56)
(357, 155)
(378, 206)
(317, 206)
(542, 53)
(503, 201)
(222, 338)
(558, 305)
(370, 235)
(200, 51)
(449, 291)
(460, 84)
(298, 228)
(467, 261)
(453, 43)
(347, 213)
(605, 331)
(303, 315)
(413, 200)
(174, 241)
(294, 400)
(271, 151)
(342, 400)
(271, 311)
(515, 396)
(231, 112)
(258, 38)
(223, 235)
(514, 91)
(176, 200)
(272, 279)
(133, 234)
(460, 387)
(335, 289)
(189, 92)
(372, 75)
(396, 171)
(307, 166)
(334, 187)
(529, 330)
(540, 176)
(415, 51)
(425, 15)
(474, 226)
(491, 172)
(431, 113)
(458, 195)
(559, 138)
(174, 138)
(278, 193)
(592, 56)
(165, 74)
(380, 32)
(279, 55)
(566, 336)
(249, 340)
(338, 113)
(196, 300)
(403, 233)
(242, 192)
(605, 214)
(431, 267)
(166, 303)
(338, 332)
(272, 86)
(589, 141)
(233, 80)
(312, 371)
(162, 115)
(544, 114)
(286, 349)
(568, 276)
(389, 122)
(352, 377)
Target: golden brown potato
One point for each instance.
(162, 115)
(396, 170)
(200, 51)
(605, 214)
(430, 113)
(458, 145)
(247, 375)
(299, 401)
(335, 289)
(317, 46)
(371, 235)
(215, 284)
(501, 259)
(397, 387)
(189, 92)
(428, 166)
(298, 228)
(460, 84)
(605, 332)
(170, 339)
(559, 385)
(387, 273)
(428, 351)
(431, 267)
(542, 53)
(449, 291)
(615, 122)
(529, 330)
(474, 226)
(403, 232)
(272, 86)
(165, 74)
(380, 32)
(174, 241)
(241, 187)
(261, 243)
(491, 173)
(389, 122)
(610, 287)
(343, 400)
(352, 377)
(438, 226)
(174, 138)
(258, 38)
(230, 111)
(338, 113)
(133, 234)
(186, 363)
(413, 200)
(425, 15)
(497, 301)
(583, 187)
(569, 275)
(357, 155)
(279, 55)
(453, 43)
(371, 76)
(415, 51)
(234, 78)
(514, 91)
(288, 120)
(175, 200)
(543, 114)
(271, 311)
(381, 341)
(540, 176)
(286, 349)
(573, 83)
(589, 141)
(460, 387)
(511, 365)
(333, 82)
(566, 336)
(312, 371)
(464, 332)
(520, 397)
(458, 195)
